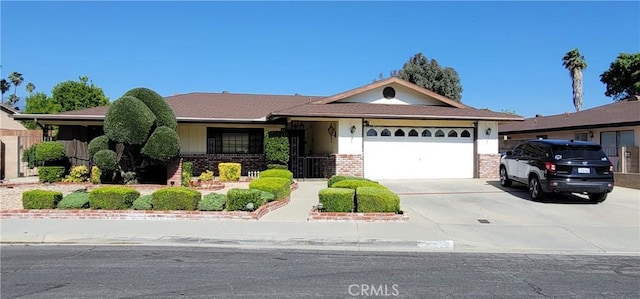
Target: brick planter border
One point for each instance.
(314, 215)
(143, 214)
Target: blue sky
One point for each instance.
(508, 54)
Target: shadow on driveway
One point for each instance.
(522, 191)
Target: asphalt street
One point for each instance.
(170, 272)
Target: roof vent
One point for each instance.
(539, 115)
(633, 98)
(225, 91)
(297, 94)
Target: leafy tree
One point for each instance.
(74, 95)
(574, 62)
(39, 103)
(133, 128)
(13, 100)
(623, 77)
(430, 75)
(4, 86)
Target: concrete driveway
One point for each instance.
(482, 214)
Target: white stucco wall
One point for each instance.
(349, 143)
(318, 139)
(9, 123)
(404, 96)
(487, 144)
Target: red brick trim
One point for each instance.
(143, 215)
(314, 215)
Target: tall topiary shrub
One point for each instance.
(163, 113)
(97, 144)
(163, 144)
(276, 147)
(128, 121)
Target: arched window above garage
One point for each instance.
(465, 134)
(399, 133)
(452, 133)
(385, 132)
(439, 133)
(413, 133)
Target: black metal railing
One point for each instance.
(314, 167)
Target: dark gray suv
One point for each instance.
(555, 166)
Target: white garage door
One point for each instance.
(418, 153)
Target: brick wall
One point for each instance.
(174, 172)
(350, 164)
(248, 162)
(488, 166)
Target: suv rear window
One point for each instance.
(578, 152)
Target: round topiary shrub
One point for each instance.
(106, 160)
(163, 113)
(97, 144)
(163, 144)
(50, 151)
(129, 121)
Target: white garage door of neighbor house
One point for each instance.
(418, 153)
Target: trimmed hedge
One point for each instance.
(266, 196)
(163, 144)
(337, 199)
(112, 198)
(176, 198)
(237, 199)
(40, 199)
(279, 187)
(50, 151)
(229, 171)
(276, 148)
(128, 120)
(163, 113)
(336, 178)
(97, 144)
(144, 202)
(212, 202)
(277, 166)
(354, 184)
(372, 199)
(75, 200)
(50, 174)
(106, 160)
(277, 173)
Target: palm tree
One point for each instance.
(4, 86)
(16, 78)
(30, 87)
(574, 62)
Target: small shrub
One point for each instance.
(40, 199)
(144, 202)
(277, 166)
(49, 152)
(212, 202)
(229, 171)
(129, 178)
(206, 176)
(279, 187)
(106, 160)
(78, 174)
(336, 178)
(337, 199)
(97, 144)
(237, 199)
(187, 172)
(75, 200)
(50, 174)
(373, 199)
(277, 173)
(96, 173)
(354, 184)
(176, 198)
(29, 156)
(112, 198)
(266, 196)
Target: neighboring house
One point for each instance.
(615, 126)
(390, 129)
(14, 139)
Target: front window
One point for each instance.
(234, 141)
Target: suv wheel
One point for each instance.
(597, 197)
(535, 189)
(504, 178)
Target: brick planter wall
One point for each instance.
(202, 162)
(350, 164)
(314, 215)
(489, 166)
(174, 172)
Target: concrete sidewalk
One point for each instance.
(441, 218)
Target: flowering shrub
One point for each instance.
(78, 174)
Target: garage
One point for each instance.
(418, 153)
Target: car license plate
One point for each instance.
(584, 170)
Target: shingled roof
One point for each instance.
(622, 113)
